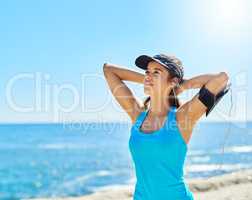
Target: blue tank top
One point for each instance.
(159, 159)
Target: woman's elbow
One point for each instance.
(105, 67)
(221, 78)
(224, 76)
(219, 82)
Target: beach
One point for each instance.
(233, 186)
(52, 160)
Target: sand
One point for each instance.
(233, 186)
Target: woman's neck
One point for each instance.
(159, 107)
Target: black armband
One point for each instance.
(209, 99)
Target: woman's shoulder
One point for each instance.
(182, 124)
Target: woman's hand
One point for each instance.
(195, 82)
(181, 87)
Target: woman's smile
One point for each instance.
(148, 83)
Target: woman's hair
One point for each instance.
(173, 99)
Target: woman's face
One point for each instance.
(156, 80)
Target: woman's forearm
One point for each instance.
(198, 81)
(124, 74)
(195, 82)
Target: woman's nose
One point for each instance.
(148, 76)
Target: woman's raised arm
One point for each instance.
(115, 75)
(190, 112)
(195, 82)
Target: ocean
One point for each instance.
(61, 160)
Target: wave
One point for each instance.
(213, 167)
(47, 146)
(63, 146)
(200, 159)
(93, 175)
(231, 149)
(238, 149)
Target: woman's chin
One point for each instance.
(147, 90)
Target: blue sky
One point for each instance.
(65, 43)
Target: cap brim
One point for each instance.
(143, 60)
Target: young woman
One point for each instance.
(161, 127)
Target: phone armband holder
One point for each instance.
(209, 99)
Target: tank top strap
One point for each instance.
(174, 125)
(140, 119)
(172, 113)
